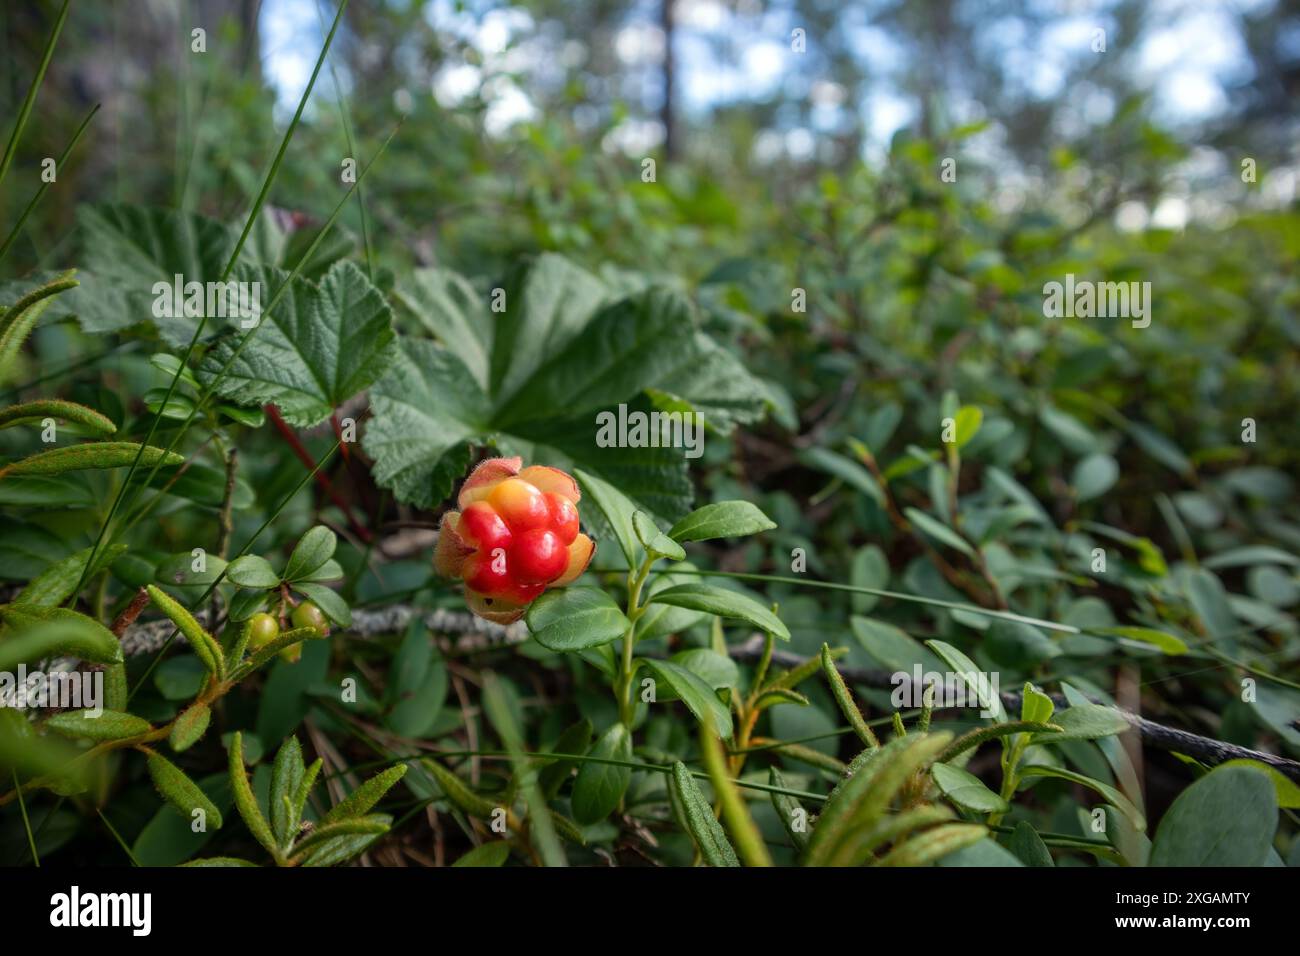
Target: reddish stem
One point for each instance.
(338, 433)
(305, 457)
(130, 613)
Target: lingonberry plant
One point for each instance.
(573, 515)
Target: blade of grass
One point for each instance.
(26, 110)
(67, 150)
(631, 764)
(118, 837)
(894, 595)
(234, 258)
(352, 151)
(120, 348)
(284, 143)
(27, 824)
(542, 830)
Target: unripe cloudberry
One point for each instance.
(515, 536)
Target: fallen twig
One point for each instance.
(1156, 735)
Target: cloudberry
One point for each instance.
(516, 534)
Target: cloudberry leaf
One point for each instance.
(531, 380)
(317, 348)
(130, 248)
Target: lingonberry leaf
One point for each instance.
(715, 669)
(970, 675)
(1029, 846)
(730, 604)
(600, 786)
(418, 687)
(967, 790)
(575, 740)
(722, 519)
(694, 692)
(619, 513)
(252, 571)
(656, 620)
(1035, 706)
(655, 541)
(846, 470)
(1111, 795)
(312, 550)
(1089, 722)
(328, 600)
(573, 619)
(934, 528)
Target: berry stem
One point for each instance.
(623, 688)
(295, 443)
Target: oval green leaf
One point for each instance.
(730, 604)
(600, 786)
(724, 519)
(573, 619)
(695, 693)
